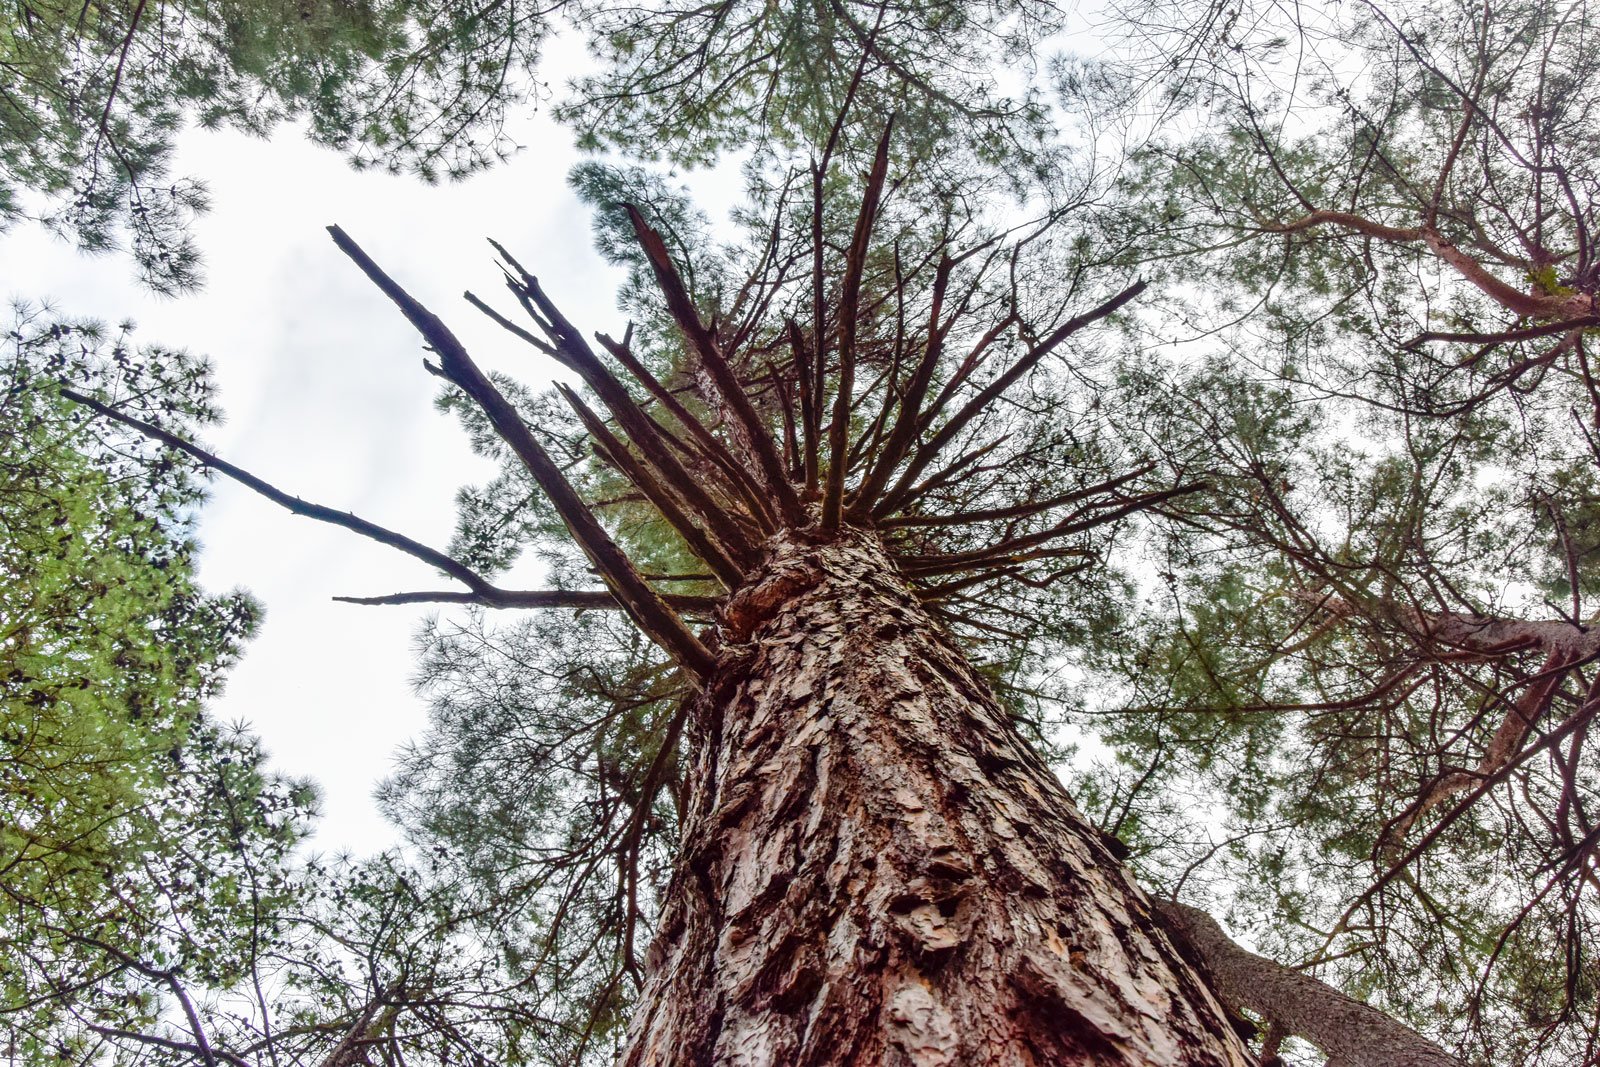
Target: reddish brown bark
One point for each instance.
(1533, 304)
(877, 869)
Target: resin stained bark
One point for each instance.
(877, 869)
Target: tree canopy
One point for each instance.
(139, 837)
(1261, 462)
(95, 94)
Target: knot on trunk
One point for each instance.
(752, 606)
(932, 918)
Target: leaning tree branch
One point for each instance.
(1521, 716)
(1485, 635)
(1577, 721)
(1349, 1033)
(1565, 644)
(599, 599)
(1498, 337)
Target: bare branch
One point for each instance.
(599, 599)
(849, 307)
(641, 602)
(454, 568)
(986, 396)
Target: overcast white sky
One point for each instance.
(325, 396)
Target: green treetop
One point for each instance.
(138, 838)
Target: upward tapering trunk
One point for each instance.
(876, 869)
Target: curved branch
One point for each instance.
(1508, 296)
(453, 567)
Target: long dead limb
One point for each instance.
(904, 431)
(849, 306)
(705, 346)
(964, 370)
(1017, 511)
(1001, 563)
(739, 480)
(1015, 549)
(598, 599)
(321, 513)
(964, 464)
(641, 602)
(808, 402)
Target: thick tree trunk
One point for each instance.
(877, 869)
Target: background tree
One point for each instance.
(691, 82)
(157, 904)
(1379, 673)
(95, 94)
(140, 840)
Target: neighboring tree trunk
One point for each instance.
(877, 869)
(1349, 1033)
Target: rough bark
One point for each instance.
(876, 869)
(1348, 1032)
